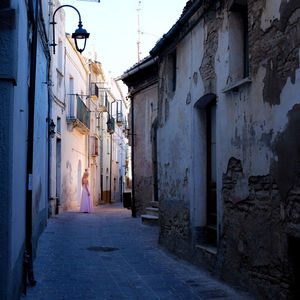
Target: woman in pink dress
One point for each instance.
(86, 201)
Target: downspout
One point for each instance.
(89, 107)
(48, 81)
(111, 153)
(110, 169)
(133, 208)
(28, 259)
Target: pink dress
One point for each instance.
(86, 201)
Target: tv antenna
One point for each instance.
(139, 31)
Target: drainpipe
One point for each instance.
(28, 259)
(89, 107)
(48, 81)
(110, 169)
(133, 208)
(111, 153)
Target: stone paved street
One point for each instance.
(110, 255)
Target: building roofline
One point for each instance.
(175, 29)
(146, 62)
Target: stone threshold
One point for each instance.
(206, 248)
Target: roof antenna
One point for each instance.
(139, 31)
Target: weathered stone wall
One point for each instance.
(253, 239)
(261, 196)
(257, 226)
(174, 226)
(257, 142)
(274, 42)
(145, 106)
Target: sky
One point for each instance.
(112, 25)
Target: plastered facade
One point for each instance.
(257, 149)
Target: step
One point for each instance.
(207, 249)
(154, 204)
(149, 220)
(153, 211)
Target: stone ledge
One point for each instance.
(149, 220)
(235, 86)
(208, 249)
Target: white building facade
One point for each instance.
(23, 139)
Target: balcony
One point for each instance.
(102, 103)
(119, 119)
(79, 115)
(111, 125)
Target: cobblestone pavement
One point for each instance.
(110, 255)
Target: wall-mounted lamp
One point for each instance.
(51, 129)
(79, 34)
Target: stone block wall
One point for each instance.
(255, 235)
(174, 226)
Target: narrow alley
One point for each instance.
(110, 255)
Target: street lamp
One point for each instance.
(79, 34)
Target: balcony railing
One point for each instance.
(101, 104)
(79, 116)
(111, 125)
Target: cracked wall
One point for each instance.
(257, 145)
(276, 46)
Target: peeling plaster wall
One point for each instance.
(179, 180)
(257, 145)
(145, 115)
(259, 156)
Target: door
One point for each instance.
(58, 169)
(211, 166)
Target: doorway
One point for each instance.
(204, 202)
(58, 170)
(211, 206)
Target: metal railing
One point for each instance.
(82, 112)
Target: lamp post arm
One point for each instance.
(53, 22)
(66, 5)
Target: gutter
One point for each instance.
(138, 67)
(169, 36)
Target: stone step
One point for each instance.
(153, 211)
(154, 204)
(149, 220)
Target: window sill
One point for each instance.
(236, 85)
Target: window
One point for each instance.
(60, 57)
(71, 96)
(238, 40)
(172, 65)
(107, 144)
(58, 124)
(107, 103)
